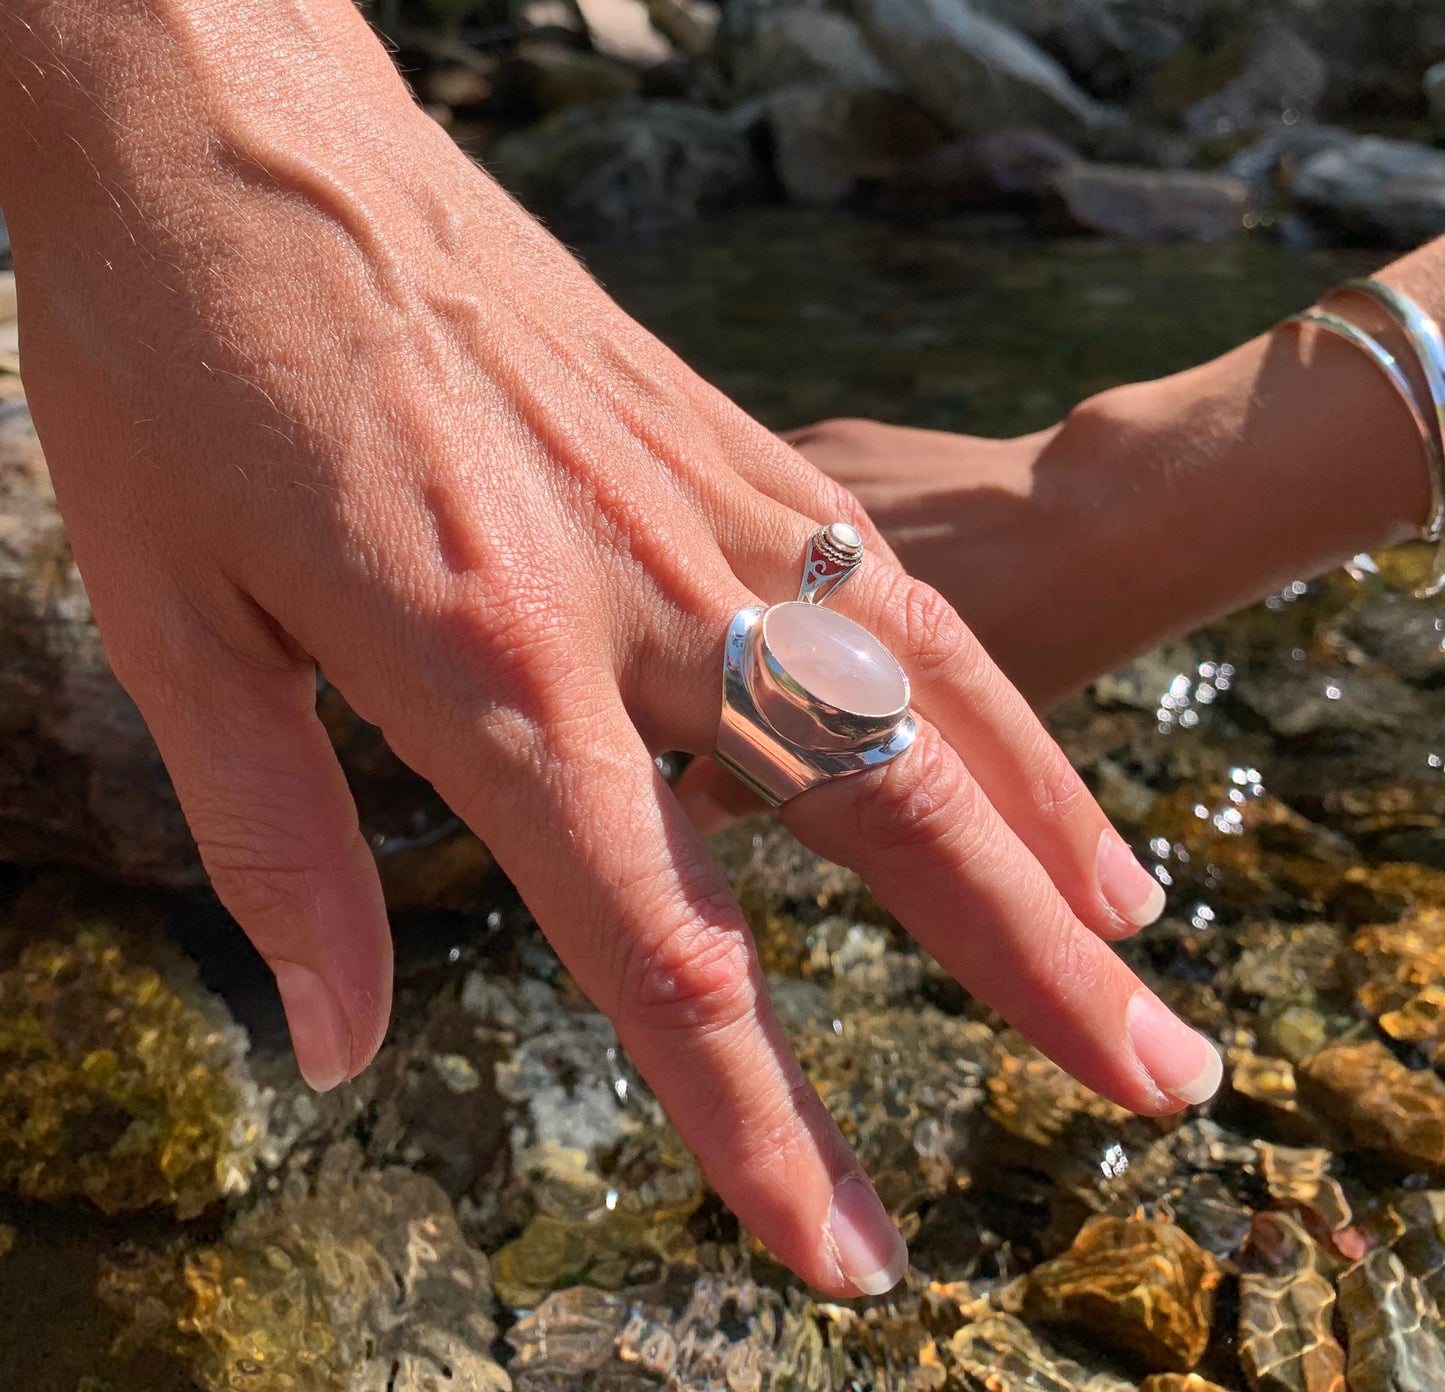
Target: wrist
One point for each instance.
(138, 119)
(1278, 460)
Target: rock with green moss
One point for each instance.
(355, 1281)
(121, 1082)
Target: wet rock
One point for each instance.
(569, 1333)
(1434, 85)
(82, 783)
(1384, 1107)
(122, 1081)
(627, 168)
(1374, 65)
(1394, 1328)
(1374, 190)
(828, 141)
(905, 1084)
(1004, 1355)
(1291, 963)
(1413, 1228)
(1178, 1382)
(1299, 1177)
(1034, 1100)
(1398, 969)
(543, 75)
(1234, 844)
(809, 46)
(621, 29)
(1286, 1308)
(974, 74)
(1133, 1284)
(359, 1280)
(714, 1329)
(1283, 82)
(1110, 49)
(1305, 701)
(787, 891)
(1147, 204)
(610, 1250)
(690, 25)
(1005, 168)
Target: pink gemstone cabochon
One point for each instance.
(835, 659)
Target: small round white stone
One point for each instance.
(835, 659)
(841, 534)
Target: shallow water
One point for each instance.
(1284, 772)
(957, 325)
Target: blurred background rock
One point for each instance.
(1313, 120)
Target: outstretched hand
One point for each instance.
(307, 406)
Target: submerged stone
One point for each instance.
(359, 1281)
(122, 1082)
(1133, 1285)
(1394, 1328)
(1003, 1355)
(1383, 1106)
(1286, 1309)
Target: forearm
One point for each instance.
(141, 128)
(1276, 461)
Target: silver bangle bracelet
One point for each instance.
(1390, 366)
(1427, 345)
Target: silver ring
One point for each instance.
(809, 695)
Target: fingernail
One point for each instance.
(1182, 1062)
(870, 1250)
(320, 1036)
(1128, 888)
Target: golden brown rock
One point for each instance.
(119, 1083)
(1381, 893)
(1133, 1284)
(1286, 1343)
(1243, 845)
(1270, 1089)
(1178, 1382)
(1299, 1175)
(1383, 1106)
(1397, 969)
(1033, 1099)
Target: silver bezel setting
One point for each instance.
(769, 760)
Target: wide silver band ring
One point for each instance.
(809, 695)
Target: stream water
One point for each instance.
(191, 1217)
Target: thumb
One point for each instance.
(278, 834)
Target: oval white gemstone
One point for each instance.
(841, 534)
(834, 659)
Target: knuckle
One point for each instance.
(255, 868)
(928, 806)
(939, 642)
(837, 504)
(1066, 958)
(1059, 794)
(779, 1134)
(696, 977)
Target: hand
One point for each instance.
(331, 400)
